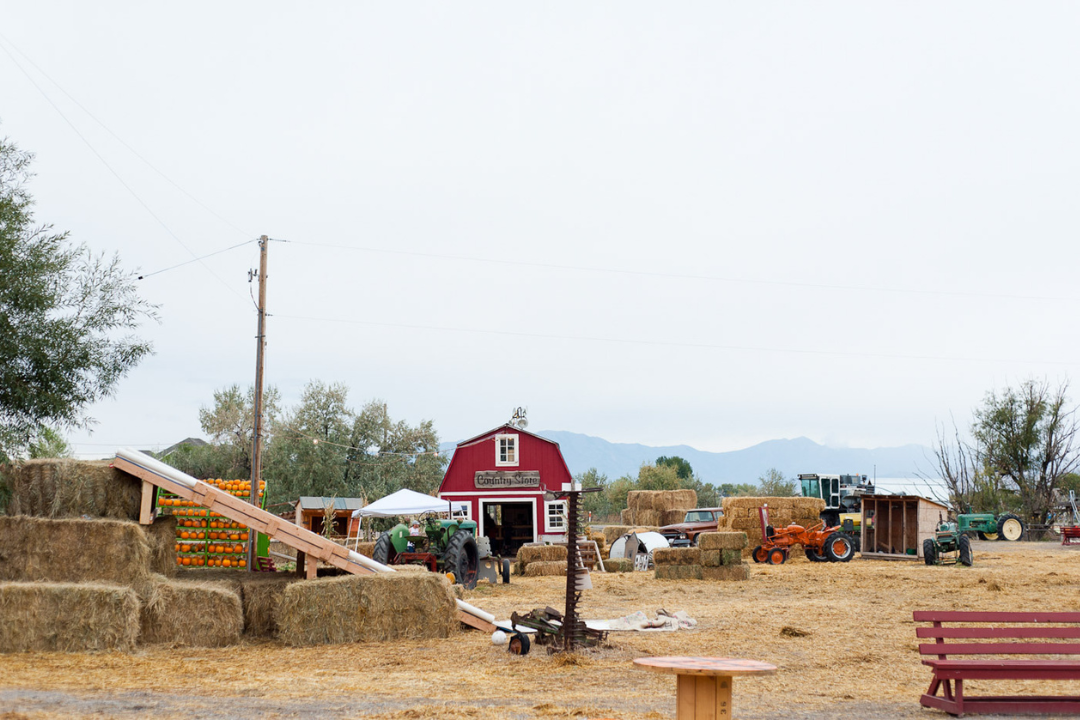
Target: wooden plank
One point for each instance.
(723, 697)
(685, 697)
(998, 632)
(994, 616)
(475, 622)
(146, 504)
(1003, 648)
(705, 697)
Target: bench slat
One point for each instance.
(999, 648)
(998, 632)
(989, 617)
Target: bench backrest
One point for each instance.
(1005, 625)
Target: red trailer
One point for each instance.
(499, 479)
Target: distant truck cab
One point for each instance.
(843, 498)
(697, 521)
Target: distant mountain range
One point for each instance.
(791, 457)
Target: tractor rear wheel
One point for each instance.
(506, 571)
(1010, 528)
(839, 548)
(759, 554)
(462, 559)
(384, 551)
(777, 556)
(929, 552)
(965, 550)
(813, 556)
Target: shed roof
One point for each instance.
(320, 503)
(906, 497)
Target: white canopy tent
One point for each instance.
(403, 502)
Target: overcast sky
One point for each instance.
(702, 223)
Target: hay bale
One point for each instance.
(678, 572)
(747, 506)
(722, 541)
(645, 528)
(72, 488)
(626, 517)
(369, 608)
(677, 556)
(717, 558)
(261, 597)
(67, 617)
(365, 548)
(541, 553)
(674, 500)
(647, 517)
(106, 551)
(614, 532)
(544, 568)
(672, 517)
(638, 500)
(619, 565)
(192, 614)
(161, 535)
(727, 572)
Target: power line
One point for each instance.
(104, 162)
(671, 344)
(188, 262)
(682, 276)
(120, 140)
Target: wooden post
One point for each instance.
(256, 451)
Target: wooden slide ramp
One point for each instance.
(306, 543)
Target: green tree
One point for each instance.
(67, 319)
(772, 483)
(682, 467)
(230, 424)
(597, 504)
(738, 490)
(48, 443)
(1025, 437)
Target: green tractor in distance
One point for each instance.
(949, 546)
(991, 527)
(447, 546)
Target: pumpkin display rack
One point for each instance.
(204, 538)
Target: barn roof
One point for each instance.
(507, 427)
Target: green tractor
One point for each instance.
(991, 527)
(949, 546)
(447, 546)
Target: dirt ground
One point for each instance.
(840, 634)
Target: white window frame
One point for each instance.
(466, 504)
(498, 450)
(548, 527)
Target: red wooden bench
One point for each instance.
(1070, 535)
(1009, 633)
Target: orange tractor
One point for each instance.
(821, 544)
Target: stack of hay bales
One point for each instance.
(379, 607)
(741, 513)
(718, 556)
(72, 488)
(540, 560)
(656, 508)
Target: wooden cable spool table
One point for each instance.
(703, 690)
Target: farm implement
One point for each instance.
(821, 543)
(949, 546)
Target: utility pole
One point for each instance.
(255, 496)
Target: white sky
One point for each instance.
(860, 190)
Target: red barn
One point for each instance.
(499, 479)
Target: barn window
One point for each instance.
(506, 450)
(555, 516)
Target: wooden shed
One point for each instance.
(499, 479)
(894, 526)
(311, 514)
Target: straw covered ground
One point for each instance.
(841, 635)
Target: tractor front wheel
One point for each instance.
(462, 559)
(988, 536)
(929, 552)
(1010, 528)
(777, 556)
(965, 550)
(839, 548)
(759, 554)
(384, 550)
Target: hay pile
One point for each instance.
(657, 507)
(718, 556)
(543, 568)
(528, 554)
(67, 617)
(104, 551)
(191, 614)
(369, 608)
(72, 488)
(741, 513)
